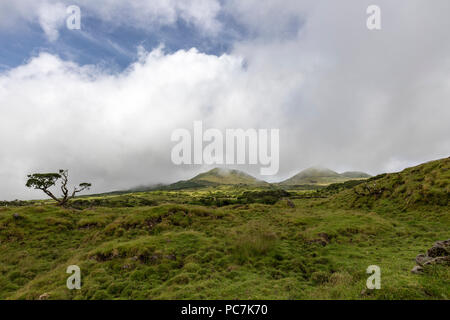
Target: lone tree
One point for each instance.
(44, 181)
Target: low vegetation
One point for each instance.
(264, 243)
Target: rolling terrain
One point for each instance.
(234, 241)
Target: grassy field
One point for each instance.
(230, 243)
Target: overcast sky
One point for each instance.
(103, 101)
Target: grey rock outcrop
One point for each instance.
(438, 253)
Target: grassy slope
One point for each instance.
(424, 185)
(157, 245)
(249, 251)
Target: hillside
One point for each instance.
(427, 184)
(231, 242)
(222, 176)
(322, 176)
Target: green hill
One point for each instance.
(222, 176)
(423, 185)
(322, 176)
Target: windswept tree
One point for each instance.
(44, 181)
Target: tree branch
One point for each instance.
(51, 195)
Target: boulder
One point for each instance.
(439, 249)
(438, 253)
(44, 296)
(417, 269)
(423, 259)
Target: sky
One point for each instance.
(102, 101)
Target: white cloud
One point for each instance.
(113, 127)
(51, 14)
(51, 18)
(147, 14)
(367, 99)
(343, 96)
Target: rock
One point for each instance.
(16, 216)
(417, 269)
(44, 296)
(290, 203)
(422, 259)
(438, 253)
(436, 260)
(439, 249)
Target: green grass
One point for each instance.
(165, 245)
(182, 251)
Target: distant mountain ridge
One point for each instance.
(311, 177)
(322, 176)
(314, 176)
